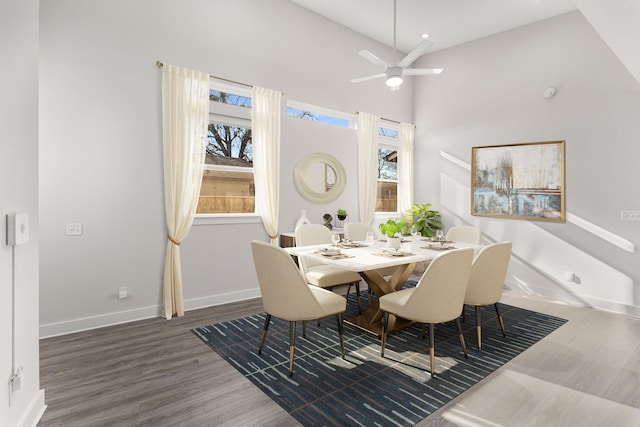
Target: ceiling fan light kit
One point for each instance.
(394, 77)
(394, 72)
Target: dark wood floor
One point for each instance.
(156, 372)
(151, 372)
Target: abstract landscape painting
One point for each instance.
(524, 181)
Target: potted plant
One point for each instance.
(424, 219)
(393, 229)
(342, 214)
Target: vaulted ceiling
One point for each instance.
(448, 22)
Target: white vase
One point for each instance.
(303, 219)
(394, 242)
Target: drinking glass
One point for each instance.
(335, 238)
(369, 239)
(440, 236)
(415, 233)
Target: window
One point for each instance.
(318, 114)
(227, 180)
(387, 194)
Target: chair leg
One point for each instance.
(383, 337)
(478, 328)
(500, 319)
(304, 329)
(267, 320)
(461, 336)
(292, 345)
(464, 316)
(341, 334)
(358, 297)
(424, 331)
(432, 350)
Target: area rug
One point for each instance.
(364, 389)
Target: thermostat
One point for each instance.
(17, 229)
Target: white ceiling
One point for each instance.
(449, 22)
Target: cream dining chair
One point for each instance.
(316, 272)
(486, 282)
(287, 296)
(465, 234)
(437, 298)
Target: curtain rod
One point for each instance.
(160, 64)
(386, 120)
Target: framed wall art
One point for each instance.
(521, 181)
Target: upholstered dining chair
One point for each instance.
(465, 234)
(357, 231)
(286, 295)
(486, 281)
(437, 298)
(316, 272)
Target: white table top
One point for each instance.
(364, 258)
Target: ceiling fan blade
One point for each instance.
(422, 71)
(417, 52)
(372, 58)
(364, 79)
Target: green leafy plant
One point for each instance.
(342, 214)
(424, 219)
(393, 227)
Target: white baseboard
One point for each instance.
(110, 319)
(34, 412)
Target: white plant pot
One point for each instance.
(394, 242)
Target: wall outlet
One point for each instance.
(630, 215)
(122, 292)
(74, 229)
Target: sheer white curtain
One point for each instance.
(265, 135)
(405, 166)
(368, 125)
(185, 119)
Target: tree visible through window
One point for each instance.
(227, 181)
(387, 194)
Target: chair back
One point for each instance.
(465, 234)
(439, 295)
(489, 268)
(357, 231)
(311, 234)
(285, 293)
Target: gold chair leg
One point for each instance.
(478, 328)
(292, 345)
(432, 350)
(461, 336)
(504, 334)
(383, 337)
(267, 320)
(341, 334)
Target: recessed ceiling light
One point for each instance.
(425, 35)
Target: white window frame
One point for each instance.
(232, 115)
(392, 143)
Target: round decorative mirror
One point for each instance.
(319, 177)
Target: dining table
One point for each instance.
(384, 270)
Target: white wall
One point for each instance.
(19, 193)
(101, 150)
(491, 93)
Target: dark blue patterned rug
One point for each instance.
(364, 389)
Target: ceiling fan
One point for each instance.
(394, 72)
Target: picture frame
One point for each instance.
(519, 181)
